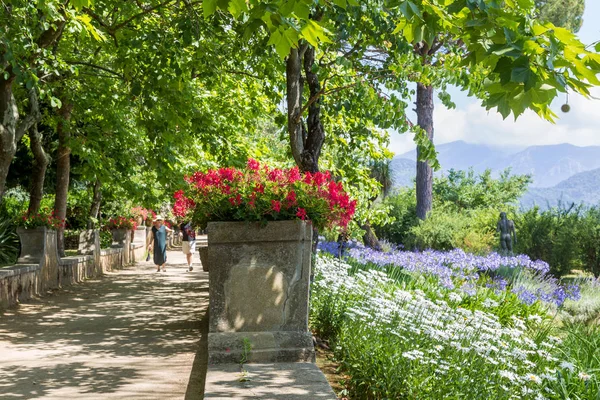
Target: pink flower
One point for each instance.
(253, 164)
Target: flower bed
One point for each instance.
(529, 280)
(413, 338)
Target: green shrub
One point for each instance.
(402, 208)
(440, 231)
(565, 237)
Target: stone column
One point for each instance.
(259, 284)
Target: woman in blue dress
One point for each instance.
(159, 239)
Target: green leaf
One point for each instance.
(55, 102)
(237, 7)
(302, 11)
(415, 9)
(209, 7)
(313, 33)
(79, 4)
(520, 74)
(340, 3)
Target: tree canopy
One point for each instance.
(137, 94)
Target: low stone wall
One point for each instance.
(41, 269)
(111, 259)
(137, 252)
(18, 283)
(77, 269)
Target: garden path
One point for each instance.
(132, 334)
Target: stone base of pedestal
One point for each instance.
(260, 347)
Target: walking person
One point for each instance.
(159, 239)
(188, 244)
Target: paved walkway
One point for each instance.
(134, 334)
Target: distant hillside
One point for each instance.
(580, 188)
(551, 165)
(403, 171)
(561, 171)
(462, 155)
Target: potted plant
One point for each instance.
(151, 216)
(32, 230)
(119, 228)
(140, 214)
(260, 224)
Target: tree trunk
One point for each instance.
(95, 208)
(316, 135)
(294, 82)
(38, 174)
(63, 169)
(369, 238)
(11, 128)
(424, 171)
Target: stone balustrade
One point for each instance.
(39, 267)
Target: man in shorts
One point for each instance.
(188, 244)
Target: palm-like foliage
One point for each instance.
(9, 242)
(382, 173)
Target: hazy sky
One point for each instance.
(472, 123)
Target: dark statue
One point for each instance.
(506, 227)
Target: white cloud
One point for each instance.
(473, 124)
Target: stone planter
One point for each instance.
(33, 242)
(203, 250)
(119, 237)
(139, 220)
(259, 284)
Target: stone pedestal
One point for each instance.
(119, 237)
(203, 251)
(38, 247)
(89, 242)
(259, 284)
(33, 242)
(139, 235)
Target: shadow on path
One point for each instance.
(133, 334)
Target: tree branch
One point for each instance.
(320, 93)
(87, 64)
(115, 28)
(230, 71)
(31, 118)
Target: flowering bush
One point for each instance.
(259, 193)
(121, 223)
(50, 221)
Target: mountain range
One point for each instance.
(560, 172)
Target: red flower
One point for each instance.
(294, 175)
(276, 205)
(290, 199)
(301, 213)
